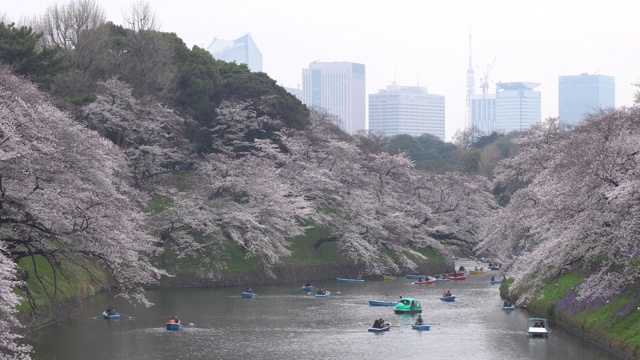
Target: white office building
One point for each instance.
(407, 110)
(518, 106)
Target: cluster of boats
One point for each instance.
(405, 305)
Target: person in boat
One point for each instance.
(507, 303)
(306, 284)
(321, 292)
(419, 320)
(376, 324)
(420, 279)
(249, 290)
(446, 293)
(461, 269)
(536, 324)
(504, 277)
(493, 278)
(476, 269)
(110, 311)
(382, 324)
(542, 324)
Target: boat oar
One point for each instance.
(95, 317)
(127, 316)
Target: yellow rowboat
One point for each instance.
(476, 272)
(388, 277)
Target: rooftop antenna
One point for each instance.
(470, 88)
(395, 67)
(418, 71)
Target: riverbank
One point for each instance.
(612, 324)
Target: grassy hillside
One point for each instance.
(66, 282)
(614, 323)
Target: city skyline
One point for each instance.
(416, 43)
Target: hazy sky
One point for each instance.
(416, 42)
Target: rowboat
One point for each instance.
(538, 326)
(494, 267)
(458, 278)
(424, 282)
(110, 317)
(476, 272)
(508, 308)
(247, 295)
(495, 282)
(451, 298)
(382, 303)
(422, 327)
(307, 288)
(408, 306)
(458, 274)
(173, 326)
(442, 280)
(386, 327)
(356, 281)
(388, 277)
(323, 296)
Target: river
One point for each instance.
(285, 323)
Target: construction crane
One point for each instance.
(484, 80)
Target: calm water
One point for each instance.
(285, 323)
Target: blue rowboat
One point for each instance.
(386, 327)
(173, 326)
(451, 298)
(382, 303)
(357, 281)
(508, 308)
(422, 327)
(323, 296)
(495, 282)
(247, 295)
(307, 288)
(442, 280)
(111, 317)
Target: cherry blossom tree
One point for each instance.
(150, 134)
(374, 202)
(10, 346)
(578, 209)
(65, 191)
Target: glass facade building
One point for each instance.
(518, 106)
(482, 113)
(579, 95)
(406, 110)
(242, 50)
(338, 88)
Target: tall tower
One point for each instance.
(471, 83)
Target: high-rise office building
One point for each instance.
(338, 88)
(242, 50)
(582, 94)
(517, 106)
(406, 110)
(483, 112)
